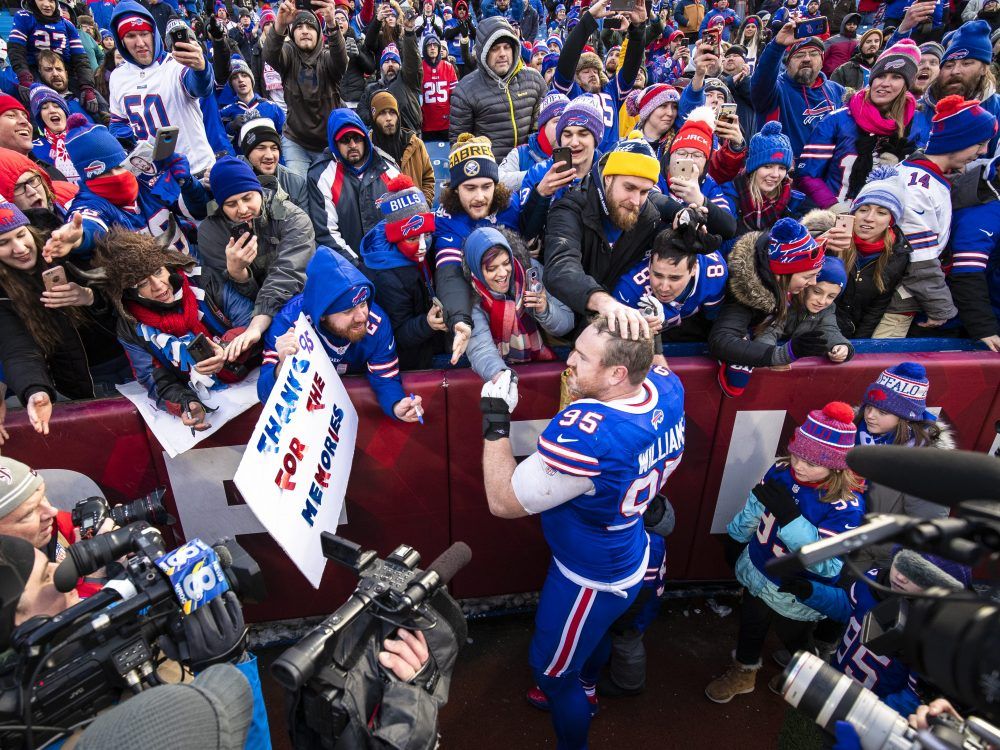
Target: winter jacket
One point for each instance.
(291, 182)
(519, 160)
(311, 84)
(861, 305)
(778, 97)
(285, 243)
(415, 163)
(406, 87)
(506, 111)
(975, 252)
(689, 14)
(840, 48)
(360, 65)
(836, 11)
(342, 198)
(800, 321)
(752, 299)
(853, 74)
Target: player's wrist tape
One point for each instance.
(496, 418)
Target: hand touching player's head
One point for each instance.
(605, 366)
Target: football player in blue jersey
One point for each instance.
(600, 462)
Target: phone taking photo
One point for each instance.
(54, 277)
(166, 142)
(238, 230)
(564, 155)
(531, 280)
(845, 222)
(200, 349)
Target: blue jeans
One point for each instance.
(298, 159)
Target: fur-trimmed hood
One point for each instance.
(746, 283)
(818, 221)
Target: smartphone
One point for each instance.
(238, 230)
(200, 349)
(54, 277)
(166, 142)
(811, 27)
(685, 168)
(727, 111)
(531, 280)
(621, 6)
(304, 5)
(562, 154)
(846, 222)
(180, 34)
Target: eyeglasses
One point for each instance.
(351, 138)
(35, 183)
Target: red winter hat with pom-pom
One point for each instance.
(405, 210)
(958, 124)
(826, 436)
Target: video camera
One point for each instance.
(326, 674)
(89, 514)
(953, 639)
(62, 670)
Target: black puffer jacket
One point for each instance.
(360, 64)
(862, 305)
(504, 110)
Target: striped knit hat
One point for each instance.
(552, 106)
(792, 249)
(18, 482)
(651, 97)
(404, 210)
(826, 436)
(880, 190)
(901, 390)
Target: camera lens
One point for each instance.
(149, 509)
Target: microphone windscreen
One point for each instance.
(452, 560)
(225, 556)
(66, 576)
(940, 476)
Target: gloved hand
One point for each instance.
(778, 500)
(215, 29)
(651, 307)
(800, 588)
(88, 95)
(24, 83)
(809, 344)
(212, 634)
(496, 401)
(352, 46)
(847, 737)
(178, 167)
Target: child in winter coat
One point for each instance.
(894, 412)
(803, 497)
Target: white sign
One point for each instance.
(295, 468)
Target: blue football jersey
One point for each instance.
(628, 449)
(704, 294)
(829, 519)
(61, 37)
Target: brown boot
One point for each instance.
(738, 679)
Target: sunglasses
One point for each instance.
(351, 138)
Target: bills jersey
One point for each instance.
(627, 448)
(704, 292)
(60, 37)
(926, 218)
(435, 100)
(155, 96)
(829, 519)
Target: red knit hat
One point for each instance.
(697, 132)
(648, 99)
(8, 102)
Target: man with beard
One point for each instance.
(355, 333)
(401, 143)
(402, 75)
(345, 186)
(856, 72)
(440, 78)
(599, 463)
(800, 96)
(311, 72)
(52, 72)
(593, 236)
(965, 71)
(928, 68)
(580, 72)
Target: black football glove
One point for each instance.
(778, 500)
(800, 588)
(497, 401)
(809, 344)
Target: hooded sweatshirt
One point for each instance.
(168, 94)
(329, 277)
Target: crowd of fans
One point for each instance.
(775, 185)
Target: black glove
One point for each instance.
(800, 588)
(732, 550)
(496, 401)
(215, 29)
(212, 634)
(809, 344)
(778, 500)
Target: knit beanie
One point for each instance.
(17, 560)
(11, 218)
(391, 52)
(931, 571)
(8, 102)
(649, 99)
(549, 62)
(40, 94)
(901, 390)
(231, 176)
(880, 189)
(932, 48)
(471, 158)
(582, 112)
(384, 100)
(957, 124)
(697, 132)
(105, 34)
(902, 58)
(18, 482)
(791, 249)
(132, 22)
(342, 11)
(716, 84)
(404, 210)
(826, 436)
(971, 41)
(257, 131)
(241, 66)
(769, 146)
(92, 148)
(634, 157)
(305, 17)
(833, 272)
(266, 17)
(554, 40)
(871, 32)
(553, 105)
(801, 44)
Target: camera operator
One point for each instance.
(30, 591)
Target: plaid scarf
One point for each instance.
(763, 217)
(513, 329)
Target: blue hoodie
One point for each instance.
(329, 277)
(379, 254)
(337, 120)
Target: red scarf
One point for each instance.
(176, 322)
(513, 329)
(872, 247)
(543, 142)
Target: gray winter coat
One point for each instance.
(799, 321)
(293, 184)
(285, 245)
(505, 111)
